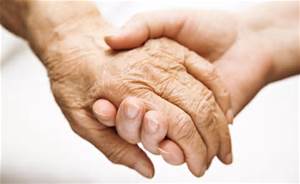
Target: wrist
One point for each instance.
(59, 27)
(47, 22)
(41, 37)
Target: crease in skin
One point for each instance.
(172, 82)
(176, 104)
(172, 130)
(54, 61)
(156, 54)
(132, 73)
(203, 101)
(176, 100)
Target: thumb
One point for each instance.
(144, 26)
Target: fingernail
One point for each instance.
(171, 158)
(131, 111)
(141, 168)
(228, 158)
(153, 125)
(102, 113)
(229, 116)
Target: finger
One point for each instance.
(105, 112)
(178, 26)
(129, 119)
(154, 130)
(153, 136)
(225, 149)
(205, 72)
(141, 28)
(197, 101)
(110, 144)
(171, 152)
(181, 131)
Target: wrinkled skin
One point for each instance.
(226, 46)
(157, 73)
(248, 51)
(243, 48)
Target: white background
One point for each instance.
(38, 145)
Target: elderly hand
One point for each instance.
(156, 73)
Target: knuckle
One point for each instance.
(204, 115)
(164, 86)
(184, 129)
(201, 106)
(187, 134)
(127, 102)
(134, 100)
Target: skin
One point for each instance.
(163, 76)
(248, 51)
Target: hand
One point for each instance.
(245, 49)
(82, 73)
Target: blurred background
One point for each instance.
(38, 145)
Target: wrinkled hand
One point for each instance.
(158, 74)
